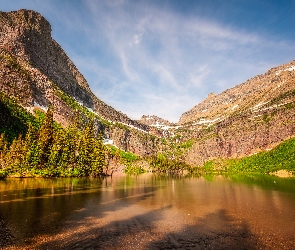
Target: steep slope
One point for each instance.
(252, 94)
(37, 72)
(26, 35)
(253, 116)
(155, 121)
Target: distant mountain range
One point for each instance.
(253, 116)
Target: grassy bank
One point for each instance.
(281, 157)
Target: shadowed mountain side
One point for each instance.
(10, 123)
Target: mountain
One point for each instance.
(250, 95)
(253, 116)
(248, 118)
(37, 72)
(155, 121)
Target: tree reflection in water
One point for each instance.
(148, 212)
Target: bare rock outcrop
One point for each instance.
(253, 116)
(37, 72)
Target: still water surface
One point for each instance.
(150, 212)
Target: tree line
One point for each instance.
(53, 151)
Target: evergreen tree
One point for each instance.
(98, 157)
(14, 158)
(3, 142)
(46, 137)
(70, 147)
(52, 151)
(85, 154)
(3, 150)
(32, 149)
(55, 162)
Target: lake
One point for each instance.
(149, 212)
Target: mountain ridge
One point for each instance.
(253, 116)
(37, 72)
(28, 36)
(248, 118)
(232, 97)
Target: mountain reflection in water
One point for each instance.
(149, 212)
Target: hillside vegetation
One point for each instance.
(36, 74)
(38, 146)
(281, 157)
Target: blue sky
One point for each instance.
(164, 57)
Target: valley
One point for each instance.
(251, 117)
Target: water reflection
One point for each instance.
(150, 212)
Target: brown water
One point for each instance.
(150, 212)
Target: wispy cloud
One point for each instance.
(167, 58)
(145, 58)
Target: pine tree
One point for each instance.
(55, 162)
(32, 149)
(46, 137)
(98, 157)
(3, 150)
(14, 158)
(85, 154)
(70, 148)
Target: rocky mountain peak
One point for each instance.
(252, 116)
(155, 121)
(249, 95)
(27, 19)
(27, 35)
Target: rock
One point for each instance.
(37, 72)
(5, 234)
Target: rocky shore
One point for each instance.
(5, 234)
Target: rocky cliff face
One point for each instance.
(250, 117)
(35, 70)
(246, 119)
(251, 94)
(27, 35)
(155, 121)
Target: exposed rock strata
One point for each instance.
(35, 70)
(243, 120)
(246, 119)
(251, 94)
(155, 121)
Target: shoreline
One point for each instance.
(5, 234)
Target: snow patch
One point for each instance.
(259, 105)
(203, 121)
(234, 107)
(108, 141)
(36, 104)
(291, 68)
(270, 107)
(165, 127)
(131, 126)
